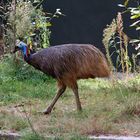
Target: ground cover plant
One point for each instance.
(109, 106)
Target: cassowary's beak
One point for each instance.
(16, 49)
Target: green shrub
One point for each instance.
(18, 83)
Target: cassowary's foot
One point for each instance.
(47, 111)
(79, 109)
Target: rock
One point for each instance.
(9, 136)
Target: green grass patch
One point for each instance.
(109, 107)
(32, 136)
(17, 83)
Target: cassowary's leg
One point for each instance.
(75, 90)
(61, 90)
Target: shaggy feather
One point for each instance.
(67, 63)
(78, 60)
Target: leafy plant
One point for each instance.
(108, 35)
(116, 43)
(26, 20)
(135, 17)
(42, 22)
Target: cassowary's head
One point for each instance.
(22, 47)
(17, 48)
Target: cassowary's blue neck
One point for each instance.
(26, 53)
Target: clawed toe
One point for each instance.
(47, 111)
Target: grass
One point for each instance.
(108, 107)
(32, 136)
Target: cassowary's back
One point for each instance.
(72, 61)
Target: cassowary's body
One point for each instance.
(71, 61)
(68, 63)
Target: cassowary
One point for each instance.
(67, 63)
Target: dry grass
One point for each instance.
(107, 109)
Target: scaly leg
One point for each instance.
(61, 90)
(78, 103)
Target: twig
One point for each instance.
(29, 122)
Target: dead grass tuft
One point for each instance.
(107, 109)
